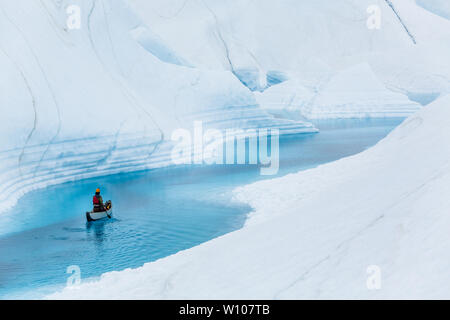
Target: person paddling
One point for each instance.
(97, 201)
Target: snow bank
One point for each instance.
(352, 93)
(287, 99)
(356, 92)
(314, 234)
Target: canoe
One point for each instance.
(94, 216)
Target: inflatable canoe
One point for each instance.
(94, 216)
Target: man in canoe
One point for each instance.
(97, 201)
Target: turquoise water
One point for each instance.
(156, 213)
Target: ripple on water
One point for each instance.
(156, 213)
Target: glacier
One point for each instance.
(105, 99)
(316, 233)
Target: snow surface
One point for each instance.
(313, 234)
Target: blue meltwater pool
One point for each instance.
(156, 213)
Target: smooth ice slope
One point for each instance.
(313, 234)
(439, 7)
(310, 43)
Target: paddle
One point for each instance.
(109, 217)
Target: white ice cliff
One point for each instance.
(101, 99)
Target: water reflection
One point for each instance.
(156, 213)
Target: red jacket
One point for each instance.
(97, 200)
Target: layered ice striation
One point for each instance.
(102, 99)
(105, 98)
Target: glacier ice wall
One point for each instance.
(105, 98)
(101, 99)
(310, 43)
